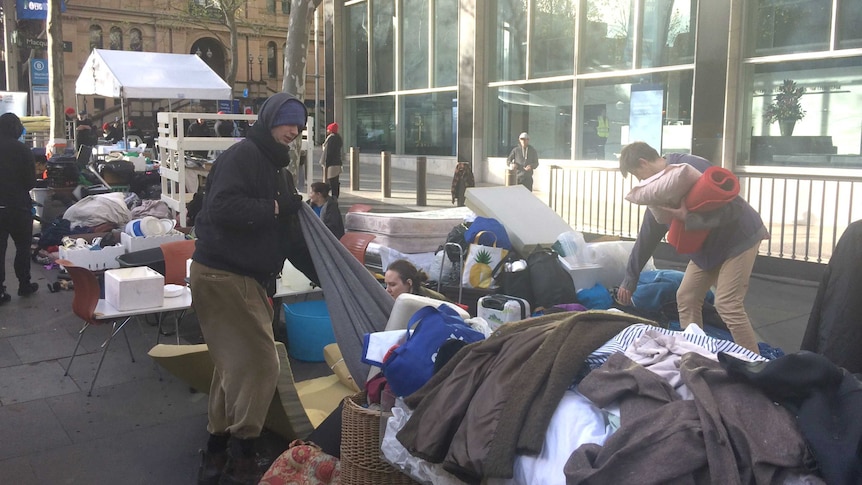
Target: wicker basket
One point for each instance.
(361, 463)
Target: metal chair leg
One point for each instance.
(77, 344)
(107, 343)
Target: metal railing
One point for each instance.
(805, 214)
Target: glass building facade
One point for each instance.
(462, 78)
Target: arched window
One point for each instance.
(271, 60)
(116, 39)
(136, 42)
(95, 37)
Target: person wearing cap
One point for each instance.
(330, 159)
(523, 160)
(725, 259)
(238, 253)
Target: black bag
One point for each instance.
(514, 279)
(456, 235)
(551, 283)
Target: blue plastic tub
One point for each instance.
(309, 329)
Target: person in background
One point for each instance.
(725, 259)
(85, 133)
(461, 180)
(326, 208)
(112, 132)
(603, 129)
(403, 277)
(330, 159)
(523, 160)
(225, 128)
(199, 128)
(239, 252)
(16, 217)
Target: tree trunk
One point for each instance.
(296, 46)
(57, 145)
(230, 22)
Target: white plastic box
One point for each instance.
(99, 260)
(134, 288)
(584, 275)
(139, 243)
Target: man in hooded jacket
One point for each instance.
(237, 255)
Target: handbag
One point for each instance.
(410, 365)
(480, 262)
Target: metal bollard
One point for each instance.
(386, 174)
(354, 168)
(421, 185)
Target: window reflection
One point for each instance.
(356, 58)
(827, 135)
(552, 48)
(374, 124)
(271, 60)
(116, 39)
(667, 37)
(608, 35)
(445, 43)
(783, 26)
(430, 124)
(543, 110)
(415, 41)
(383, 45)
(95, 37)
(135, 40)
(511, 40)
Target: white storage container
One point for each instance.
(584, 276)
(500, 309)
(98, 260)
(138, 243)
(134, 288)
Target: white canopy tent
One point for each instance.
(148, 75)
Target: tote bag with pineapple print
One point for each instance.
(480, 262)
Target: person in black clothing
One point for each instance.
(84, 131)
(241, 230)
(199, 128)
(16, 217)
(331, 158)
(326, 207)
(113, 132)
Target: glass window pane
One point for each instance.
(607, 36)
(542, 110)
(786, 26)
(136, 42)
(552, 48)
(95, 37)
(383, 46)
(667, 35)
(374, 124)
(271, 60)
(510, 39)
(430, 126)
(356, 57)
(654, 108)
(828, 132)
(850, 24)
(445, 43)
(116, 37)
(414, 70)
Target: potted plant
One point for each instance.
(786, 109)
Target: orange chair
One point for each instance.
(356, 243)
(176, 254)
(359, 208)
(84, 303)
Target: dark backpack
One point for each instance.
(550, 282)
(514, 283)
(456, 235)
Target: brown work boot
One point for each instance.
(212, 466)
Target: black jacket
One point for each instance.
(332, 147)
(237, 228)
(16, 166)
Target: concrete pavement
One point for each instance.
(140, 428)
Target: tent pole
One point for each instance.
(123, 113)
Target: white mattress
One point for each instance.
(529, 222)
(408, 232)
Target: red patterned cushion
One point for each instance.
(303, 464)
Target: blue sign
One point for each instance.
(224, 105)
(35, 9)
(39, 72)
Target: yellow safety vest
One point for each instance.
(604, 127)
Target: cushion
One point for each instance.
(717, 187)
(665, 189)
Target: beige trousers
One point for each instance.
(731, 285)
(236, 320)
